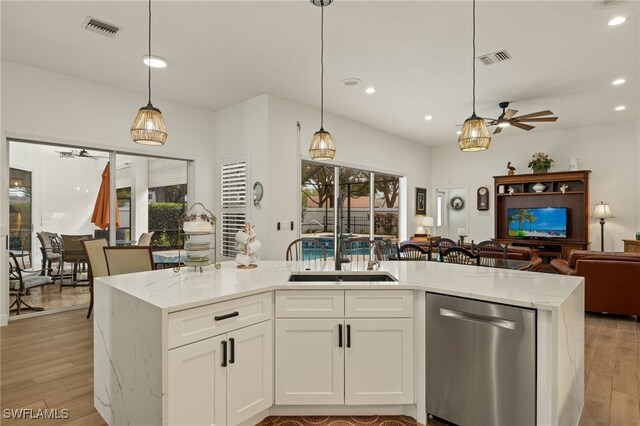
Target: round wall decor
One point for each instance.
(456, 203)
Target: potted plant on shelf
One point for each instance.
(540, 162)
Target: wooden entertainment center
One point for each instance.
(575, 199)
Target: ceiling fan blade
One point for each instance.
(522, 126)
(540, 120)
(510, 113)
(498, 130)
(535, 114)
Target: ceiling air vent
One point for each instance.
(100, 27)
(495, 57)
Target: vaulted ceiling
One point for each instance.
(417, 54)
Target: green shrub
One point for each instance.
(164, 222)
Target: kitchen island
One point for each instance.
(188, 347)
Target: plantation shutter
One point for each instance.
(234, 203)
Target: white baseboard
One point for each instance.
(47, 312)
(4, 320)
(339, 410)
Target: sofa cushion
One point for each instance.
(576, 255)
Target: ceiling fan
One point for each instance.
(507, 118)
(83, 153)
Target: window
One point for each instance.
(233, 181)
(439, 208)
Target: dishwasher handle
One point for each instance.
(482, 319)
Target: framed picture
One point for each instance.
(421, 201)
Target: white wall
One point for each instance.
(611, 152)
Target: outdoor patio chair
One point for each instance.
(72, 253)
(21, 281)
(306, 249)
(50, 246)
(413, 252)
(145, 239)
(93, 251)
(128, 259)
(460, 255)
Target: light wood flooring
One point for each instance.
(47, 362)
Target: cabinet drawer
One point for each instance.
(206, 321)
(310, 304)
(378, 303)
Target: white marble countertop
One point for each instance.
(188, 288)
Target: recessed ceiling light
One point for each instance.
(351, 82)
(617, 21)
(621, 108)
(618, 81)
(428, 117)
(370, 90)
(154, 61)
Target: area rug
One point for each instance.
(338, 421)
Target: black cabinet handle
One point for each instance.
(339, 335)
(232, 356)
(225, 316)
(348, 335)
(224, 353)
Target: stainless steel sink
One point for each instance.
(341, 276)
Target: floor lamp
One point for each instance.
(602, 212)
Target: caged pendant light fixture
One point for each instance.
(148, 126)
(474, 136)
(322, 147)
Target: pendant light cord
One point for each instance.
(149, 52)
(474, 57)
(321, 67)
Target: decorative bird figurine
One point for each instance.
(564, 188)
(510, 168)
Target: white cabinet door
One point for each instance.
(197, 384)
(379, 361)
(309, 362)
(250, 372)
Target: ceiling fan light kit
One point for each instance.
(148, 127)
(322, 147)
(474, 135)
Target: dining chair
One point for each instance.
(388, 249)
(306, 249)
(145, 239)
(361, 249)
(73, 253)
(413, 252)
(93, 251)
(460, 255)
(489, 251)
(21, 281)
(128, 259)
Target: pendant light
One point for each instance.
(148, 126)
(322, 147)
(474, 136)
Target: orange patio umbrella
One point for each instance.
(101, 210)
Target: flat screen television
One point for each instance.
(543, 223)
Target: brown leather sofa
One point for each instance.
(612, 280)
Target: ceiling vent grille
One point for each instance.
(100, 27)
(495, 57)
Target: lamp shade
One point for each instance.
(474, 136)
(426, 221)
(322, 147)
(148, 126)
(602, 211)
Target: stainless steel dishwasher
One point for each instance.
(481, 362)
